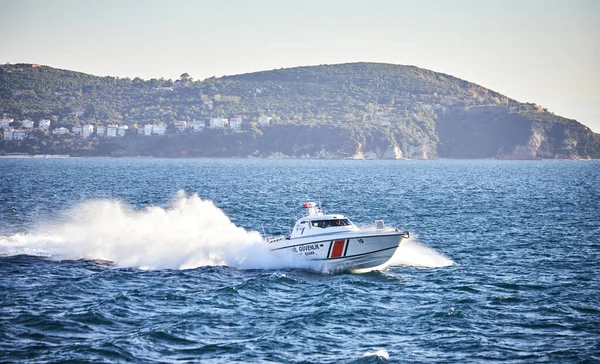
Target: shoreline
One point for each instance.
(64, 156)
(36, 156)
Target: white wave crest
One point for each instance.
(380, 353)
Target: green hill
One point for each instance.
(360, 110)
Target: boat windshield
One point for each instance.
(330, 223)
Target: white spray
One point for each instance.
(190, 233)
(411, 253)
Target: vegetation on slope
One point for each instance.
(358, 109)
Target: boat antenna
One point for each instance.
(263, 232)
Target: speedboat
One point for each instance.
(331, 242)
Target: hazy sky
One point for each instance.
(541, 51)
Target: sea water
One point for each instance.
(162, 260)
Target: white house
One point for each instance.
(180, 125)
(121, 130)
(159, 129)
(141, 130)
(101, 130)
(264, 120)
(44, 124)
(5, 122)
(19, 134)
(87, 130)
(198, 125)
(27, 124)
(218, 123)
(8, 133)
(61, 131)
(235, 123)
(12, 134)
(111, 130)
(77, 130)
(148, 129)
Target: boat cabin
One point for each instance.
(316, 222)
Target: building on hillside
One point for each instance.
(76, 130)
(218, 123)
(20, 134)
(111, 130)
(5, 122)
(101, 131)
(12, 134)
(235, 123)
(148, 129)
(8, 133)
(27, 124)
(121, 130)
(159, 129)
(44, 124)
(264, 120)
(180, 125)
(140, 130)
(87, 130)
(61, 131)
(198, 125)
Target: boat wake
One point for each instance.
(411, 253)
(187, 234)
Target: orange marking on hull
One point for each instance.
(338, 248)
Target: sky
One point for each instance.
(541, 51)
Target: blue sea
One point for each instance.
(161, 260)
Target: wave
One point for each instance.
(379, 353)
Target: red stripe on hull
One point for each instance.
(338, 248)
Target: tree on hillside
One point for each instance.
(185, 79)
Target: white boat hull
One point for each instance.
(341, 252)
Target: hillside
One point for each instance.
(358, 110)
